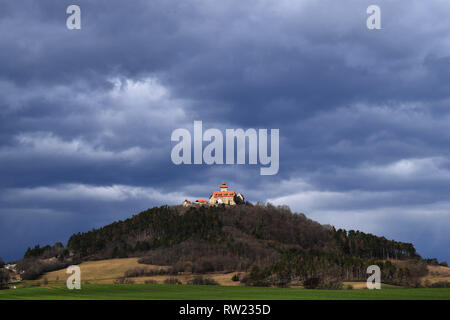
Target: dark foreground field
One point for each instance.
(181, 292)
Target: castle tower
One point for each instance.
(224, 187)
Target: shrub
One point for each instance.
(151, 281)
(123, 280)
(235, 277)
(199, 280)
(145, 272)
(414, 283)
(255, 283)
(312, 283)
(279, 281)
(331, 284)
(440, 284)
(256, 278)
(349, 287)
(172, 280)
(320, 283)
(444, 263)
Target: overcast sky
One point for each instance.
(86, 115)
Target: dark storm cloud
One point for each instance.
(86, 115)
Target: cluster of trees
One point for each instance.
(4, 278)
(301, 265)
(435, 262)
(4, 274)
(360, 244)
(202, 281)
(39, 260)
(146, 272)
(439, 284)
(57, 250)
(232, 254)
(32, 268)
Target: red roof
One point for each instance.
(200, 200)
(222, 194)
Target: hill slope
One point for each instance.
(271, 245)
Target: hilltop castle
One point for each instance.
(224, 196)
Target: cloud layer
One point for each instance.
(86, 115)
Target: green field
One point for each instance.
(181, 292)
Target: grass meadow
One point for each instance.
(191, 292)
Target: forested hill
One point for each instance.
(167, 226)
(272, 242)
